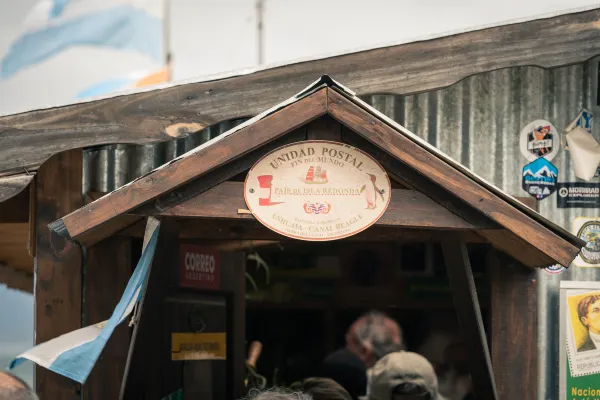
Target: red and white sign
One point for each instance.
(317, 190)
(199, 267)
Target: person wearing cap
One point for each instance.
(13, 388)
(369, 338)
(402, 376)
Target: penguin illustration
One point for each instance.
(371, 191)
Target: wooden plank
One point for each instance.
(57, 266)
(195, 165)
(407, 209)
(517, 248)
(529, 201)
(12, 185)
(449, 178)
(513, 327)
(467, 307)
(108, 267)
(112, 227)
(145, 364)
(156, 115)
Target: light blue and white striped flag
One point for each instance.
(55, 25)
(74, 354)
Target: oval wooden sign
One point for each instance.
(317, 190)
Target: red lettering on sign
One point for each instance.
(199, 267)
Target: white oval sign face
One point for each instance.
(317, 190)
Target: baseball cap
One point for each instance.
(402, 375)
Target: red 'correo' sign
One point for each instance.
(199, 267)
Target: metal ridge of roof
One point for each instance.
(327, 81)
(251, 70)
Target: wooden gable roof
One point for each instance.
(520, 231)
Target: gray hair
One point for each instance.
(14, 388)
(20, 393)
(382, 334)
(277, 394)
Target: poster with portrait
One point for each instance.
(579, 340)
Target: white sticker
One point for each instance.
(539, 139)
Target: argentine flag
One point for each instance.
(74, 354)
(133, 80)
(55, 25)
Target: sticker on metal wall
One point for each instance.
(588, 229)
(539, 178)
(555, 269)
(539, 139)
(578, 195)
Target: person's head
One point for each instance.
(324, 389)
(13, 388)
(374, 335)
(277, 394)
(401, 376)
(588, 311)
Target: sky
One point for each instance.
(212, 36)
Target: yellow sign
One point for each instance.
(198, 346)
(317, 190)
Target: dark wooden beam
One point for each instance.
(58, 269)
(193, 166)
(450, 179)
(513, 327)
(252, 230)
(15, 209)
(157, 115)
(467, 307)
(108, 267)
(324, 128)
(407, 208)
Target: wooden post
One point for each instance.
(57, 265)
(469, 316)
(514, 327)
(108, 268)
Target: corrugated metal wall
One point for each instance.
(477, 122)
(105, 168)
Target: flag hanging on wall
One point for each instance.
(74, 354)
(55, 25)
